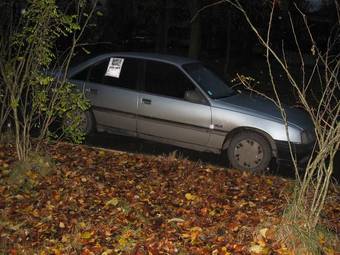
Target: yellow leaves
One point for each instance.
(260, 246)
(101, 153)
(82, 224)
(56, 251)
(329, 251)
(193, 234)
(190, 197)
(86, 235)
(65, 239)
(107, 252)
(212, 213)
(263, 232)
(61, 225)
(258, 249)
(223, 251)
(269, 181)
(49, 206)
(284, 251)
(124, 239)
(112, 202)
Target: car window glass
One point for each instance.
(165, 79)
(128, 75)
(98, 71)
(214, 86)
(82, 75)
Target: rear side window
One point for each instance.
(167, 80)
(82, 75)
(127, 76)
(98, 71)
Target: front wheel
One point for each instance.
(249, 151)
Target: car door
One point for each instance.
(111, 87)
(163, 110)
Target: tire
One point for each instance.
(249, 151)
(87, 123)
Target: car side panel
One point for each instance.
(173, 119)
(225, 121)
(113, 107)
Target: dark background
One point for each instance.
(219, 36)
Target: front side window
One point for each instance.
(166, 80)
(214, 86)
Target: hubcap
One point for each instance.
(82, 121)
(248, 153)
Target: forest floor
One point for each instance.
(99, 201)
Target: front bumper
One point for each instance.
(301, 152)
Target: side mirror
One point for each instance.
(194, 96)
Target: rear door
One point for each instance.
(163, 111)
(111, 87)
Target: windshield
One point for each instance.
(214, 86)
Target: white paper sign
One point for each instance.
(114, 67)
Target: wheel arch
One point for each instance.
(238, 130)
(91, 112)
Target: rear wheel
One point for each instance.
(86, 121)
(249, 151)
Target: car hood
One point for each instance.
(262, 107)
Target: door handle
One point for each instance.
(91, 90)
(146, 101)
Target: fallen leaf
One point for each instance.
(190, 197)
(113, 202)
(263, 232)
(258, 249)
(175, 220)
(86, 235)
(107, 252)
(61, 225)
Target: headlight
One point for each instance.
(307, 137)
(304, 137)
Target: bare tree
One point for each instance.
(301, 219)
(195, 29)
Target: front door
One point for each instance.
(163, 110)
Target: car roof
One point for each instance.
(172, 59)
(179, 60)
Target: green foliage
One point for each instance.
(27, 49)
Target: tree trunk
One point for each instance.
(227, 55)
(195, 33)
(163, 27)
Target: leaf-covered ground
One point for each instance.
(107, 202)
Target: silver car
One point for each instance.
(178, 101)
